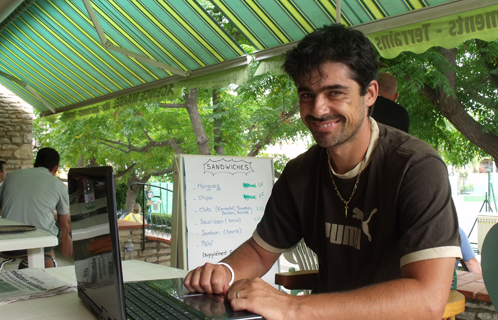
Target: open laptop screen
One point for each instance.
(97, 258)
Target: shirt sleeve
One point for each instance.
(280, 227)
(62, 206)
(428, 222)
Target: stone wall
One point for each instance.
(478, 304)
(157, 250)
(16, 132)
(477, 310)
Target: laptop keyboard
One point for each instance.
(144, 303)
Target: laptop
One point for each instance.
(97, 262)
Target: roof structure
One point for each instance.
(96, 55)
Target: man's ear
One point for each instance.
(372, 92)
(396, 96)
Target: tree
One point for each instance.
(451, 95)
(141, 142)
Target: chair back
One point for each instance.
(489, 263)
(303, 256)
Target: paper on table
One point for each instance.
(30, 283)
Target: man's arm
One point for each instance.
(248, 261)
(473, 265)
(421, 293)
(65, 239)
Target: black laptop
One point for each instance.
(97, 262)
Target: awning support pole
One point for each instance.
(108, 45)
(338, 11)
(27, 87)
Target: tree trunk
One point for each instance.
(195, 119)
(218, 140)
(133, 190)
(455, 112)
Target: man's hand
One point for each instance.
(257, 296)
(249, 260)
(210, 278)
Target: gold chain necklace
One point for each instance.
(346, 203)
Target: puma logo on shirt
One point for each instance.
(349, 235)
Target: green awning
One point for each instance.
(54, 48)
(62, 55)
(268, 24)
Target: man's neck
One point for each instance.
(347, 156)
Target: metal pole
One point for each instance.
(143, 217)
(338, 12)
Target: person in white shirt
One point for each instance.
(31, 195)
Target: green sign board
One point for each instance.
(165, 93)
(448, 32)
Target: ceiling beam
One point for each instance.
(108, 45)
(26, 86)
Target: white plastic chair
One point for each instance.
(304, 278)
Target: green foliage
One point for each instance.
(474, 89)
(160, 221)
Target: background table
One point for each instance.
(69, 306)
(33, 241)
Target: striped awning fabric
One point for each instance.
(271, 23)
(60, 55)
(54, 48)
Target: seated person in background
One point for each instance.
(469, 256)
(386, 110)
(3, 171)
(372, 202)
(31, 195)
(135, 215)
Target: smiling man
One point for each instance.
(373, 203)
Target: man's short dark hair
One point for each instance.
(2, 165)
(335, 43)
(47, 158)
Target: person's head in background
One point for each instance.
(3, 170)
(388, 86)
(48, 158)
(136, 208)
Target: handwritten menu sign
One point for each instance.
(224, 198)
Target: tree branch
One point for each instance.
(171, 105)
(162, 172)
(152, 144)
(119, 174)
(452, 108)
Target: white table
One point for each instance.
(69, 306)
(33, 241)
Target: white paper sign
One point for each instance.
(225, 198)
